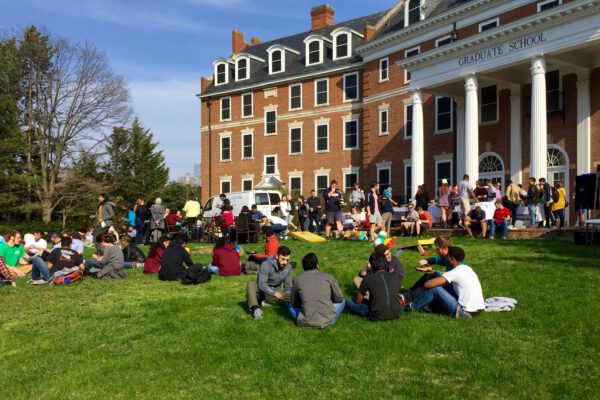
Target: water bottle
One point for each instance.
(67, 280)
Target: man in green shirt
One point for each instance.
(13, 254)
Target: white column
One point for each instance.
(583, 125)
(418, 157)
(460, 138)
(516, 136)
(471, 128)
(539, 134)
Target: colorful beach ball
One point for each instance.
(240, 250)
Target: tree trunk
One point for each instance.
(46, 210)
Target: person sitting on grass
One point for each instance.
(133, 256)
(393, 265)
(5, 274)
(109, 263)
(500, 221)
(152, 264)
(174, 257)
(317, 300)
(476, 220)
(465, 301)
(34, 243)
(383, 288)
(271, 246)
(60, 258)
(424, 222)
(13, 253)
(273, 272)
(226, 259)
(76, 244)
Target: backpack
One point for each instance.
(251, 268)
(195, 275)
(68, 278)
(555, 196)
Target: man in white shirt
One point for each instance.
(279, 226)
(34, 244)
(466, 302)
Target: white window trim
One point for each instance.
(246, 179)
(267, 110)
(418, 48)
(336, 34)
(438, 40)
(543, 3)
(383, 167)
(387, 60)
(497, 106)
(251, 134)
(252, 104)
(290, 97)
(346, 100)
(221, 109)
(222, 181)
(321, 173)
(346, 119)
(216, 65)
(237, 60)
(406, 120)
(295, 126)
(316, 93)
(489, 22)
(441, 131)
(270, 51)
(307, 46)
(347, 171)
(441, 161)
(406, 12)
(225, 136)
(387, 124)
(295, 175)
(317, 125)
(276, 173)
(407, 164)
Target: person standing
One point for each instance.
(302, 212)
(533, 198)
(105, 214)
(558, 208)
(314, 207)
(444, 202)
(387, 210)
(546, 198)
(141, 216)
(334, 201)
(465, 189)
(422, 197)
(357, 196)
(373, 209)
(157, 219)
(513, 200)
(192, 212)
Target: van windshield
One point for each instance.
(274, 197)
(208, 205)
(261, 199)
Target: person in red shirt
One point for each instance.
(271, 246)
(226, 259)
(501, 219)
(424, 222)
(174, 218)
(227, 220)
(154, 258)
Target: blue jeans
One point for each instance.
(531, 208)
(128, 265)
(317, 218)
(361, 309)
(502, 227)
(213, 269)
(39, 270)
(339, 307)
(139, 229)
(438, 296)
(89, 264)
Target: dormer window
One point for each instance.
(221, 76)
(277, 54)
(412, 12)
(314, 52)
(276, 61)
(242, 69)
(341, 46)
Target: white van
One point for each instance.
(265, 200)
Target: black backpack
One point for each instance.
(555, 196)
(196, 274)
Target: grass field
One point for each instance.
(144, 339)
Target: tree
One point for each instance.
(70, 96)
(174, 195)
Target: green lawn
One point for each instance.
(141, 338)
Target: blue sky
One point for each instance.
(163, 47)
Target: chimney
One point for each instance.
(205, 83)
(255, 40)
(321, 16)
(369, 32)
(237, 42)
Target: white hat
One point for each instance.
(444, 181)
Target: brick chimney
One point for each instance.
(255, 40)
(369, 32)
(205, 83)
(321, 16)
(237, 42)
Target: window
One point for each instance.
(443, 41)
(270, 164)
(384, 177)
(489, 104)
(413, 12)
(487, 25)
(276, 61)
(296, 140)
(383, 122)
(350, 178)
(221, 73)
(408, 54)
(443, 170)
(242, 69)
(443, 114)
(225, 108)
(247, 110)
(384, 65)
(408, 115)
(247, 147)
(247, 185)
(322, 92)
(271, 122)
(226, 186)
(296, 97)
(226, 148)
(322, 138)
(296, 185)
(314, 52)
(322, 183)
(553, 92)
(548, 4)
(341, 46)
(262, 199)
(351, 134)
(351, 87)
(407, 182)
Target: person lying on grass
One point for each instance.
(174, 257)
(393, 265)
(63, 257)
(317, 300)
(107, 264)
(14, 255)
(273, 272)
(226, 259)
(465, 301)
(383, 288)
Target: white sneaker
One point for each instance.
(39, 282)
(258, 314)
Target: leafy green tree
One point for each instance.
(174, 195)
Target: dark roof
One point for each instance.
(295, 63)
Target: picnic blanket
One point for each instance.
(500, 304)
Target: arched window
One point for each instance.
(276, 61)
(491, 168)
(341, 46)
(242, 69)
(556, 158)
(221, 73)
(314, 52)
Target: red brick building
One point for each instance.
(425, 91)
